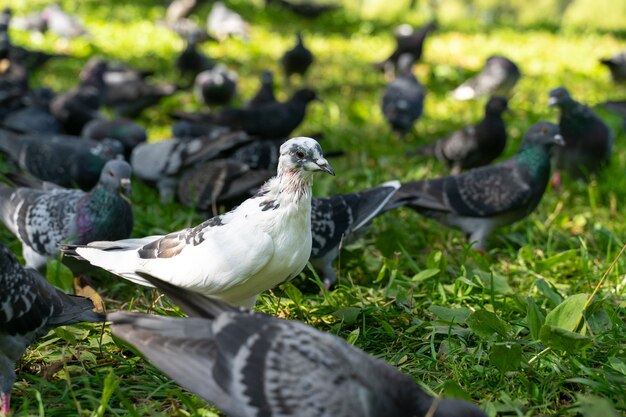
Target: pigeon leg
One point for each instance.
(5, 404)
(556, 180)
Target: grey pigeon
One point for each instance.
(217, 86)
(250, 364)
(35, 116)
(307, 9)
(162, 162)
(265, 94)
(180, 9)
(408, 41)
(498, 77)
(31, 22)
(296, 60)
(258, 154)
(483, 199)
(62, 23)
(220, 182)
(46, 216)
(271, 120)
(235, 256)
(61, 159)
(76, 107)
(617, 65)
(475, 145)
(30, 308)
(129, 133)
(403, 98)
(588, 140)
(193, 129)
(336, 219)
(223, 22)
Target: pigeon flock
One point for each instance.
(70, 156)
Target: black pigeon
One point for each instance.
(336, 219)
(273, 120)
(220, 182)
(217, 86)
(403, 98)
(30, 308)
(307, 9)
(61, 159)
(265, 95)
(498, 77)
(483, 199)
(62, 23)
(75, 108)
(129, 133)
(296, 60)
(191, 62)
(48, 215)
(588, 140)
(617, 65)
(194, 129)
(251, 364)
(35, 116)
(408, 41)
(162, 162)
(476, 145)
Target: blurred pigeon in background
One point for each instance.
(191, 61)
(306, 9)
(62, 23)
(223, 22)
(129, 133)
(336, 219)
(29, 309)
(483, 199)
(34, 116)
(408, 41)
(296, 60)
(617, 65)
(476, 145)
(247, 363)
(403, 98)
(588, 140)
(265, 94)
(217, 86)
(498, 77)
(45, 216)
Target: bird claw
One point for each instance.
(5, 404)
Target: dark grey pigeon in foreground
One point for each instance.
(483, 199)
(129, 133)
(250, 364)
(408, 41)
(403, 98)
(588, 140)
(220, 182)
(617, 65)
(162, 162)
(336, 219)
(498, 77)
(75, 108)
(476, 145)
(46, 216)
(62, 159)
(217, 86)
(30, 308)
(296, 60)
(265, 94)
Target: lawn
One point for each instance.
(534, 327)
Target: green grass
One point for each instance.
(460, 323)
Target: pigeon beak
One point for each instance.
(558, 140)
(553, 101)
(126, 186)
(325, 166)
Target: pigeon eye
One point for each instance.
(300, 155)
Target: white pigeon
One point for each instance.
(224, 22)
(237, 255)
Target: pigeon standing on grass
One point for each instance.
(129, 133)
(30, 308)
(62, 23)
(498, 77)
(408, 41)
(265, 94)
(403, 98)
(48, 215)
(617, 65)
(217, 86)
(251, 364)
(335, 219)
(296, 60)
(235, 256)
(588, 140)
(223, 22)
(483, 199)
(473, 146)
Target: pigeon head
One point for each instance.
(267, 78)
(116, 175)
(496, 105)
(305, 95)
(543, 134)
(93, 72)
(560, 97)
(303, 154)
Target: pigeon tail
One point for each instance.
(75, 309)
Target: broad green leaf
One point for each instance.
(485, 323)
(567, 315)
(450, 315)
(453, 390)
(347, 314)
(547, 290)
(557, 260)
(618, 365)
(592, 406)
(353, 336)
(505, 356)
(563, 340)
(534, 318)
(498, 282)
(425, 274)
(293, 293)
(59, 275)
